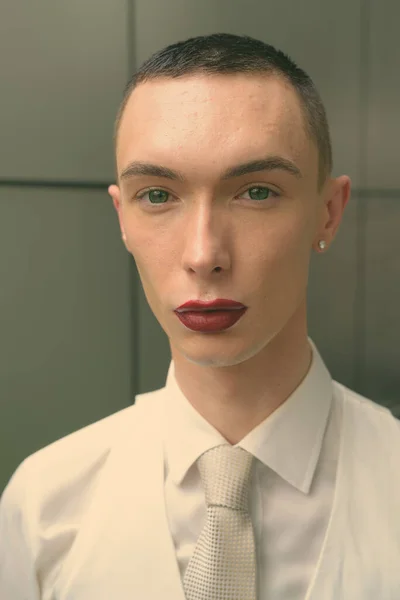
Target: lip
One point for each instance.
(210, 321)
(217, 304)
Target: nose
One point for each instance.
(206, 242)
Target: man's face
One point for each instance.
(261, 239)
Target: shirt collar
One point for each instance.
(288, 441)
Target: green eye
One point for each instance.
(259, 193)
(157, 196)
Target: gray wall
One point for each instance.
(77, 338)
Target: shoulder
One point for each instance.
(366, 413)
(50, 493)
(78, 457)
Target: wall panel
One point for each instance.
(63, 66)
(383, 97)
(65, 343)
(382, 328)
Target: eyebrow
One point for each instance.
(270, 163)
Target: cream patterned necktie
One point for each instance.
(223, 565)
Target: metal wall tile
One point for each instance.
(65, 343)
(63, 66)
(383, 97)
(382, 328)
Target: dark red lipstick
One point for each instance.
(218, 315)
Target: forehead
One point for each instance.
(210, 115)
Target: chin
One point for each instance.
(203, 354)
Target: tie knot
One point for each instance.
(225, 472)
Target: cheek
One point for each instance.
(278, 256)
(284, 238)
(152, 253)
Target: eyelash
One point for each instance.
(140, 196)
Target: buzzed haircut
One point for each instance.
(226, 53)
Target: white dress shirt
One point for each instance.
(296, 450)
(114, 510)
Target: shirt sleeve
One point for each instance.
(18, 579)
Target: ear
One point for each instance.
(335, 198)
(115, 194)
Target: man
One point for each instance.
(224, 189)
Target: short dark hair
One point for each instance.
(225, 53)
